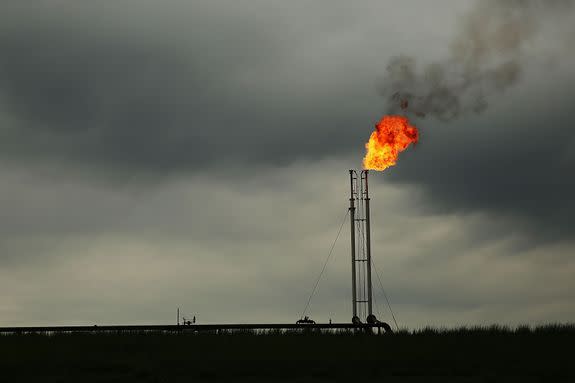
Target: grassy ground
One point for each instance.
(462, 355)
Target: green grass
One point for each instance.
(465, 354)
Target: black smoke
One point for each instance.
(488, 55)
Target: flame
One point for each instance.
(393, 134)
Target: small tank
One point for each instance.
(305, 320)
(371, 319)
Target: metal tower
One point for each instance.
(362, 297)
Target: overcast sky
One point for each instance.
(156, 154)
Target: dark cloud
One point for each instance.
(514, 163)
(164, 104)
(108, 102)
(156, 91)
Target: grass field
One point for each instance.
(465, 354)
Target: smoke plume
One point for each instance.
(487, 56)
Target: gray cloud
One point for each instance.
(116, 95)
(144, 93)
(513, 162)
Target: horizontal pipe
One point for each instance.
(194, 327)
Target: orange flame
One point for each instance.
(393, 134)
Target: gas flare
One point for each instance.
(393, 134)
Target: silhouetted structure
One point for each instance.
(362, 305)
(360, 231)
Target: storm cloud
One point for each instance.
(145, 91)
(102, 89)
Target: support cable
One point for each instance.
(375, 304)
(384, 294)
(324, 265)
